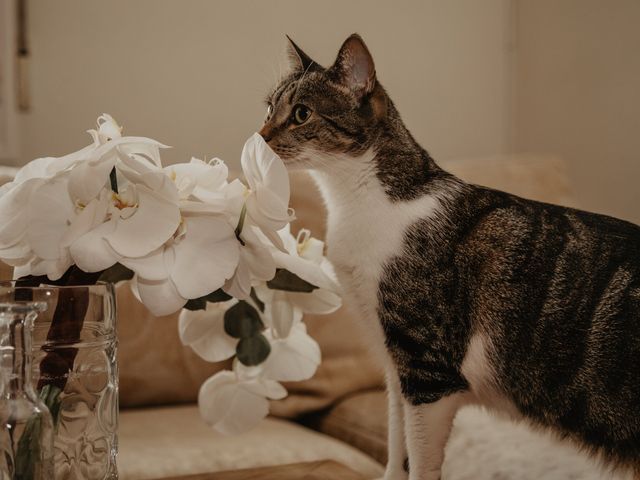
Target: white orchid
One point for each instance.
(304, 258)
(264, 212)
(293, 358)
(203, 331)
(39, 209)
(189, 235)
(267, 200)
(149, 215)
(255, 265)
(235, 402)
(185, 248)
(201, 184)
(202, 255)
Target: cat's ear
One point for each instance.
(354, 67)
(300, 61)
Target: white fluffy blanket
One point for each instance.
(485, 447)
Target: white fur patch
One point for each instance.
(428, 427)
(479, 373)
(365, 230)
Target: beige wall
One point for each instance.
(578, 95)
(193, 73)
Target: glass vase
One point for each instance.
(26, 439)
(75, 370)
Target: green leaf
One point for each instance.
(285, 280)
(218, 296)
(242, 321)
(116, 273)
(201, 303)
(253, 350)
(50, 396)
(113, 179)
(28, 450)
(196, 304)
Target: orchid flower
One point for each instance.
(305, 258)
(54, 201)
(293, 358)
(235, 402)
(187, 233)
(255, 265)
(267, 201)
(203, 331)
(146, 211)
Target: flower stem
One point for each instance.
(243, 214)
(114, 180)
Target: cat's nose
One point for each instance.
(266, 132)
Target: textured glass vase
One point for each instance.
(75, 370)
(26, 436)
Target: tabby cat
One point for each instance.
(469, 295)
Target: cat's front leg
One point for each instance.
(427, 429)
(396, 445)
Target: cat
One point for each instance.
(468, 294)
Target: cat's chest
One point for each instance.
(359, 253)
(366, 235)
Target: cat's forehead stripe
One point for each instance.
(281, 91)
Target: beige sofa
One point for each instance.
(340, 413)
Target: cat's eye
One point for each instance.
(300, 114)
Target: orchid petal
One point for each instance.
(305, 269)
(38, 168)
(88, 178)
(319, 302)
(239, 286)
(206, 256)
(262, 166)
(17, 254)
(148, 151)
(13, 212)
(284, 315)
(294, 358)
(91, 252)
(311, 249)
(152, 266)
(258, 256)
(108, 128)
(152, 224)
(255, 263)
(203, 331)
(92, 215)
(229, 408)
(53, 269)
(50, 212)
(160, 297)
(266, 388)
(267, 209)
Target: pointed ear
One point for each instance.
(299, 60)
(354, 67)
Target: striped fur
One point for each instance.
(468, 294)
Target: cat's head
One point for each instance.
(316, 114)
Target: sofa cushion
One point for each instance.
(154, 367)
(538, 177)
(359, 420)
(172, 441)
(482, 446)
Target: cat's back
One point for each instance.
(515, 224)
